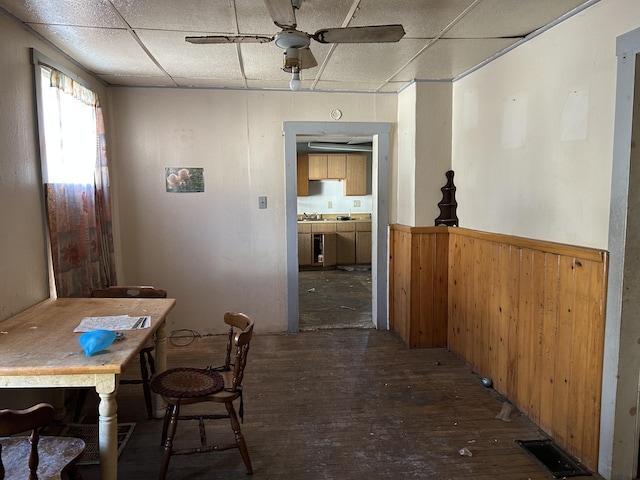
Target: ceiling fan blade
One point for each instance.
(281, 12)
(371, 34)
(307, 60)
(228, 39)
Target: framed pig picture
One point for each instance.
(184, 179)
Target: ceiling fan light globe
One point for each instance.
(291, 39)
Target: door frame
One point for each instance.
(620, 430)
(379, 216)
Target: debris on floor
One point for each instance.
(505, 411)
(465, 452)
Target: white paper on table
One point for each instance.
(113, 323)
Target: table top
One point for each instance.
(41, 340)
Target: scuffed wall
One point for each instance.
(533, 132)
(216, 250)
(23, 264)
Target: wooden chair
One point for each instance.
(222, 385)
(35, 457)
(147, 362)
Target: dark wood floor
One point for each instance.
(335, 298)
(344, 404)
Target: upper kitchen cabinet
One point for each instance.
(356, 179)
(331, 166)
(303, 175)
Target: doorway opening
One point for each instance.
(334, 206)
(379, 133)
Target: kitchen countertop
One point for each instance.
(330, 220)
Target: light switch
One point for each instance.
(262, 202)
(329, 204)
(356, 203)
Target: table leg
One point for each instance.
(106, 386)
(161, 366)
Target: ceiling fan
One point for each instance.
(295, 43)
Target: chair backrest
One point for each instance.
(136, 291)
(240, 339)
(18, 421)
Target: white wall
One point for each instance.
(22, 262)
(432, 148)
(405, 212)
(533, 132)
(214, 251)
(327, 197)
(23, 266)
(424, 151)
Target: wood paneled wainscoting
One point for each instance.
(527, 313)
(418, 272)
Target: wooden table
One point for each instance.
(38, 348)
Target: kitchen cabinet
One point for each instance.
(328, 243)
(303, 175)
(363, 242)
(327, 166)
(323, 249)
(345, 243)
(336, 166)
(304, 249)
(356, 174)
(304, 244)
(316, 244)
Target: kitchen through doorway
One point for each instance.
(370, 211)
(334, 294)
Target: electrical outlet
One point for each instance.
(356, 203)
(330, 204)
(262, 202)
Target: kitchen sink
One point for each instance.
(313, 220)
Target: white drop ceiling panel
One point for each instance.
(517, 17)
(186, 15)
(369, 62)
(101, 50)
(182, 59)
(420, 18)
(446, 58)
(141, 42)
(98, 13)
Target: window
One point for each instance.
(76, 182)
(69, 131)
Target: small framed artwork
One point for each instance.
(184, 179)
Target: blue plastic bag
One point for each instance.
(96, 341)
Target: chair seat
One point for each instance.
(56, 453)
(187, 383)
